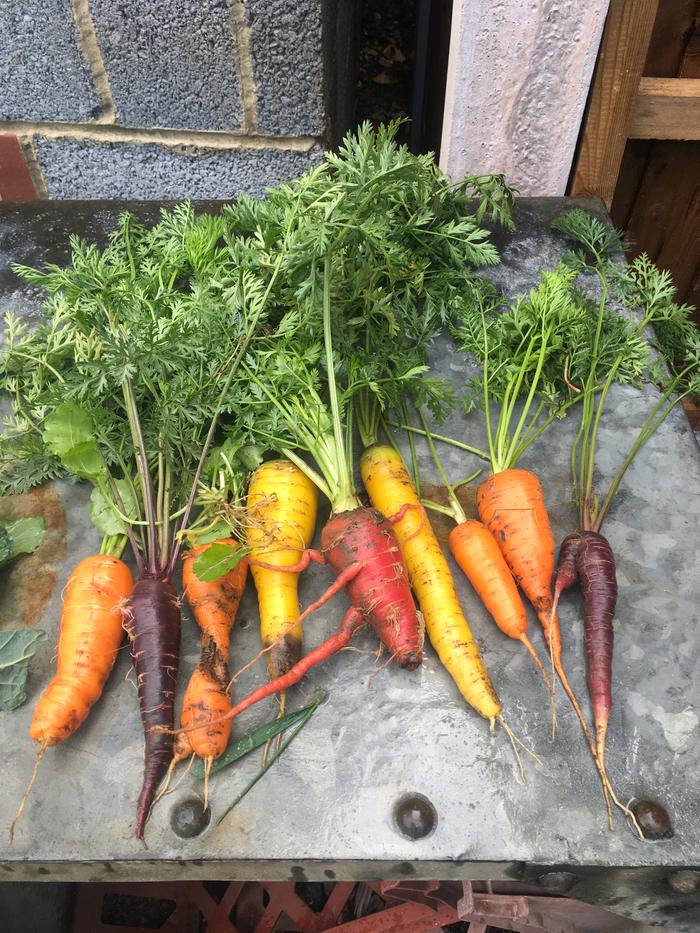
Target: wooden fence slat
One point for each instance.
(626, 38)
(666, 108)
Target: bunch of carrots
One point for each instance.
(210, 377)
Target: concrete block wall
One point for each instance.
(164, 98)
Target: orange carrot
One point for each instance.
(207, 696)
(90, 634)
(511, 505)
(476, 551)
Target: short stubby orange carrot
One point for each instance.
(207, 695)
(281, 518)
(391, 491)
(476, 551)
(91, 632)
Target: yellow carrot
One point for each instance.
(282, 504)
(390, 490)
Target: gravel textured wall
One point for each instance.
(43, 75)
(163, 98)
(88, 169)
(170, 63)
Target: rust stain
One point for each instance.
(443, 524)
(27, 584)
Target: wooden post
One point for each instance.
(606, 126)
(517, 83)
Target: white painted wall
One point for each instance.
(517, 83)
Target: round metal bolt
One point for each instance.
(653, 819)
(559, 882)
(188, 818)
(685, 882)
(415, 816)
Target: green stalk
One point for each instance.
(442, 437)
(456, 510)
(344, 498)
(144, 476)
(651, 423)
(412, 447)
(487, 413)
(511, 458)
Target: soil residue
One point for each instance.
(27, 584)
(442, 524)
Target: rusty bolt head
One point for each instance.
(685, 882)
(558, 882)
(653, 819)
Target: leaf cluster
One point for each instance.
(156, 316)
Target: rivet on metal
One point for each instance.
(188, 818)
(415, 816)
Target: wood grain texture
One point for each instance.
(626, 38)
(666, 108)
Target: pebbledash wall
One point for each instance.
(163, 98)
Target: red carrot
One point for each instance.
(364, 539)
(362, 548)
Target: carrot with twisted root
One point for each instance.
(207, 695)
(90, 634)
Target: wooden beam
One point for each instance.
(517, 83)
(625, 41)
(666, 108)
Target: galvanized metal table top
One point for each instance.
(326, 808)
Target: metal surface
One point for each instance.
(326, 808)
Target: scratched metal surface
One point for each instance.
(325, 809)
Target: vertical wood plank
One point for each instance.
(15, 180)
(517, 83)
(628, 30)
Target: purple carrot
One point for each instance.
(587, 558)
(596, 567)
(152, 622)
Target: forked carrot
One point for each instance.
(207, 695)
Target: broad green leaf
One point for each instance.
(66, 428)
(85, 460)
(220, 530)
(17, 646)
(24, 536)
(103, 516)
(251, 456)
(217, 560)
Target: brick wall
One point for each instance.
(162, 98)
